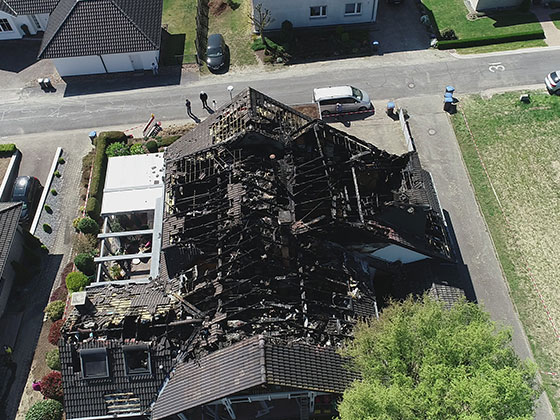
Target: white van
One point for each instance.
(345, 98)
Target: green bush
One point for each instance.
(93, 208)
(84, 263)
(100, 167)
(448, 34)
(57, 174)
(88, 225)
(7, 149)
(45, 410)
(151, 146)
(48, 209)
(259, 45)
(61, 160)
(77, 281)
(498, 39)
(55, 310)
(166, 141)
(137, 149)
(53, 360)
(117, 149)
(54, 192)
(47, 228)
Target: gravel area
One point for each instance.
(56, 207)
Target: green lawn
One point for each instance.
(556, 19)
(235, 26)
(452, 14)
(179, 16)
(508, 46)
(520, 148)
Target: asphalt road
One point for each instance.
(393, 76)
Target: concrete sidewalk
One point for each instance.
(440, 154)
(551, 32)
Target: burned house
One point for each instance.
(278, 230)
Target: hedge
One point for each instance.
(45, 410)
(77, 281)
(54, 332)
(93, 208)
(166, 141)
(55, 310)
(53, 359)
(7, 149)
(498, 39)
(100, 167)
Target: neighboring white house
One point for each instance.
(21, 17)
(103, 36)
(481, 5)
(319, 12)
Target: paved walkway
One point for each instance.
(551, 32)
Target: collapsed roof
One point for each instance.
(276, 227)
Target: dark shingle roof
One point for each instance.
(27, 7)
(95, 27)
(118, 393)
(251, 363)
(9, 219)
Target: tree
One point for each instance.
(84, 262)
(87, 225)
(423, 361)
(261, 18)
(51, 386)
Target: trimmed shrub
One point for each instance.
(55, 310)
(48, 209)
(57, 174)
(117, 149)
(84, 263)
(259, 45)
(448, 34)
(54, 332)
(53, 359)
(51, 386)
(47, 228)
(61, 160)
(137, 149)
(53, 192)
(45, 410)
(93, 208)
(60, 293)
(85, 244)
(151, 146)
(88, 225)
(498, 39)
(76, 281)
(7, 149)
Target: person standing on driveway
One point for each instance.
(155, 69)
(204, 99)
(188, 105)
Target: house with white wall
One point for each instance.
(103, 36)
(302, 13)
(22, 17)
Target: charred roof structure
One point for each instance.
(276, 232)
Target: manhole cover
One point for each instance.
(431, 132)
(411, 85)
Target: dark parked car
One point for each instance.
(27, 189)
(217, 52)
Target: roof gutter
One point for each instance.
(109, 416)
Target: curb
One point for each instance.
(46, 190)
(499, 53)
(9, 175)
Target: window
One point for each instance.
(94, 363)
(5, 26)
(353, 9)
(137, 360)
(317, 11)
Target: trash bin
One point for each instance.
(92, 135)
(448, 104)
(390, 109)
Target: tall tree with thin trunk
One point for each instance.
(421, 360)
(261, 18)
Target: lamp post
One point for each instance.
(230, 89)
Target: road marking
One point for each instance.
(494, 67)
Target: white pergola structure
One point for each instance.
(133, 185)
